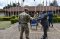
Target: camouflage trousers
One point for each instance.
(24, 28)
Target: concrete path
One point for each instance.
(13, 33)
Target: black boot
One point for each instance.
(44, 37)
(52, 25)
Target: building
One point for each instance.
(32, 9)
(2, 12)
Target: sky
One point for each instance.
(27, 2)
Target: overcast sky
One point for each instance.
(27, 2)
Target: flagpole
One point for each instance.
(46, 2)
(5, 10)
(39, 7)
(49, 5)
(35, 8)
(43, 5)
(55, 8)
(13, 10)
(46, 6)
(58, 9)
(22, 2)
(18, 9)
(10, 8)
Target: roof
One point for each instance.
(33, 8)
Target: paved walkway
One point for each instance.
(13, 33)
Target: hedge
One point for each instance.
(14, 20)
(56, 20)
(54, 15)
(5, 18)
(13, 17)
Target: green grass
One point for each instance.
(4, 24)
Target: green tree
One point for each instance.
(54, 3)
(51, 4)
(8, 6)
(14, 5)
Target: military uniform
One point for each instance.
(24, 18)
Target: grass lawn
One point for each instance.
(4, 24)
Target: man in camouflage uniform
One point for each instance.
(24, 18)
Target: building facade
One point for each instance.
(32, 9)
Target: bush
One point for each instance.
(14, 20)
(13, 17)
(54, 15)
(5, 18)
(56, 19)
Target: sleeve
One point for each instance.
(30, 17)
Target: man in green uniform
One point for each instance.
(24, 18)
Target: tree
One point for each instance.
(18, 4)
(14, 5)
(40, 5)
(51, 4)
(54, 3)
(8, 6)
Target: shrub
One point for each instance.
(12, 17)
(5, 18)
(14, 20)
(54, 15)
(56, 19)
